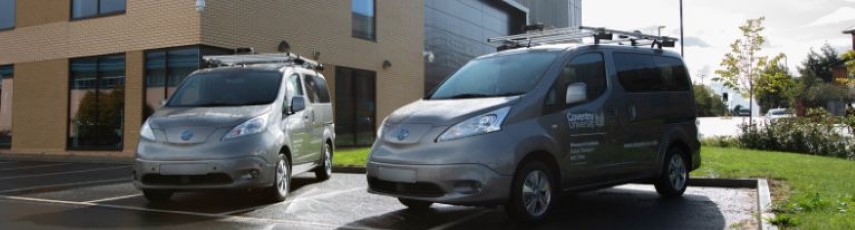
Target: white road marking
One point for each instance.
(7, 162)
(216, 216)
(460, 221)
(34, 166)
(64, 185)
(63, 173)
(112, 198)
(298, 199)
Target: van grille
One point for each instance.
(210, 179)
(419, 189)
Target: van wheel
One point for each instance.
(532, 193)
(324, 171)
(417, 205)
(157, 196)
(281, 180)
(675, 175)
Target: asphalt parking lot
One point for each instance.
(49, 195)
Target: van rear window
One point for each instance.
(647, 73)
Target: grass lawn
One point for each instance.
(351, 157)
(809, 192)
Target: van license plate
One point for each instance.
(184, 169)
(398, 175)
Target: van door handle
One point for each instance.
(633, 114)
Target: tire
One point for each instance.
(324, 171)
(675, 174)
(536, 205)
(281, 180)
(417, 205)
(157, 196)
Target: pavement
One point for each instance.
(50, 195)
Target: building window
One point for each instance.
(6, 73)
(363, 19)
(166, 68)
(81, 9)
(97, 103)
(355, 106)
(7, 14)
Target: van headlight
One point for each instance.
(381, 128)
(252, 126)
(146, 132)
(481, 124)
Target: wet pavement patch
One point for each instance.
(341, 202)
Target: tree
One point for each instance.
(820, 62)
(739, 66)
(773, 82)
(707, 103)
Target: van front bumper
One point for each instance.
(459, 184)
(231, 173)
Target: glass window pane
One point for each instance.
(7, 14)
(97, 102)
(84, 8)
(637, 73)
(112, 6)
(228, 88)
(362, 19)
(311, 91)
(321, 88)
(181, 63)
(155, 80)
(588, 69)
(6, 80)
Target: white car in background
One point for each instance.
(774, 115)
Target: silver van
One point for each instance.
(518, 127)
(248, 125)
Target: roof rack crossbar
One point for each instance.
(601, 35)
(254, 59)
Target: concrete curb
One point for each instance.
(349, 169)
(764, 201)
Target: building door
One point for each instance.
(355, 106)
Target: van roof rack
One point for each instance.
(255, 59)
(576, 34)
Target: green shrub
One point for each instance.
(817, 134)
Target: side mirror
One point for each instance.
(298, 103)
(577, 92)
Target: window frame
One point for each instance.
(12, 76)
(97, 14)
(373, 37)
(14, 17)
(68, 145)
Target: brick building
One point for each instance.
(80, 76)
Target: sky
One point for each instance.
(792, 26)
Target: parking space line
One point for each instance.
(35, 166)
(63, 173)
(298, 199)
(460, 221)
(112, 198)
(215, 216)
(64, 185)
(7, 162)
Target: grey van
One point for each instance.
(244, 127)
(518, 127)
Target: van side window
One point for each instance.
(293, 87)
(589, 69)
(311, 89)
(673, 73)
(320, 87)
(639, 73)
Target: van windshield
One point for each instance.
(227, 88)
(500, 76)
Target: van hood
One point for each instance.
(446, 112)
(215, 117)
